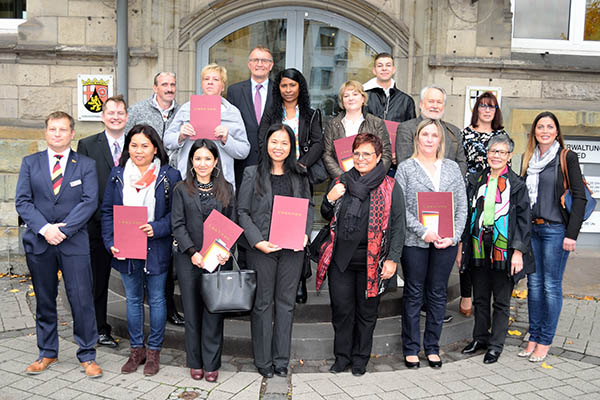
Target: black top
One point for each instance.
(208, 201)
(353, 248)
(281, 185)
(546, 205)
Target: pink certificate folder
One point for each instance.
(343, 150)
(392, 127)
(288, 222)
(218, 226)
(205, 115)
(129, 239)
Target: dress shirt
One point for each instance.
(263, 93)
(351, 127)
(63, 166)
(111, 140)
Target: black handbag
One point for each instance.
(229, 291)
(315, 246)
(316, 172)
(306, 267)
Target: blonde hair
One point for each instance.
(353, 85)
(218, 69)
(441, 151)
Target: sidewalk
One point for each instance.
(573, 372)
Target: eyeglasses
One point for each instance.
(502, 153)
(260, 60)
(488, 106)
(365, 155)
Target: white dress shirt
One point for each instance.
(263, 93)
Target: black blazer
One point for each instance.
(186, 218)
(254, 210)
(240, 95)
(96, 148)
(309, 135)
(574, 220)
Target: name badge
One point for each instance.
(75, 183)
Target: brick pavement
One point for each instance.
(574, 371)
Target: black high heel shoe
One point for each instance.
(412, 364)
(434, 364)
(302, 294)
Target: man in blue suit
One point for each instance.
(57, 193)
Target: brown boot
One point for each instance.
(136, 357)
(91, 369)
(152, 362)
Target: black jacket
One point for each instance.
(187, 218)
(398, 107)
(574, 220)
(254, 210)
(310, 136)
(519, 223)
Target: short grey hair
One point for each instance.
(426, 88)
(161, 74)
(501, 139)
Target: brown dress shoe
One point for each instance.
(137, 356)
(91, 369)
(211, 376)
(40, 365)
(196, 374)
(152, 362)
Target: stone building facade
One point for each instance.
(453, 43)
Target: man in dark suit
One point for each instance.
(252, 97)
(432, 105)
(105, 149)
(57, 193)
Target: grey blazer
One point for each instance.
(413, 179)
(254, 210)
(453, 141)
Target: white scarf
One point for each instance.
(537, 165)
(139, 197)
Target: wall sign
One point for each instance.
(587, 150)
(92, 92)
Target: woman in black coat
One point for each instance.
(495, 241)
(278, 270)
(204, 189)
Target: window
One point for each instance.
(556, 26)
(12, 14)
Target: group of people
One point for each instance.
(271, 142)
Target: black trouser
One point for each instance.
(466, 283)
(100, 262)
(426, 272)
(170, 291)
(277, 276)
(352, 314)
(203, 330)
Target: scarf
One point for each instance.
(536, 165)
(358, 188)
(138, 189)
(499, 256)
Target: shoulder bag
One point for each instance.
(316, 172)
(229, 291)
(566, 200)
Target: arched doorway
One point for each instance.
(328, 48)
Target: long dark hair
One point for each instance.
(263, 171)
(152, 136)
(532, 141)
(491, 100)
(222, 188)
(303, 96)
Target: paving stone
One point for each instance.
(481, 385)
(65, 394)
(325, 387)
(582, 385)
(362, 389)
(415, 393)
(470, 394)
(517, 387)
(569, 391)
(393, 395)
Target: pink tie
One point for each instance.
(257, 103)
(116, 153)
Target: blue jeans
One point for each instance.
(134, 284)
(544, 297)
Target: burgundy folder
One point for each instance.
(129, 239)
(218, 226)
(288, 222)
(436, 212)
(391, 127)
(205, 116)
(343, 150)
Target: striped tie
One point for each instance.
(57, 175)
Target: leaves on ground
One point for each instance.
(546, 366)
(514, 332)
(14, 290)
(519, 294)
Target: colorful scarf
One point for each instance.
(499, 256)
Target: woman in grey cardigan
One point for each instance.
(427, 258)
(230, 136)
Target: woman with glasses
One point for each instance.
(494, 242)
(427, 258)
(554, 231)
(486, 122)
(366, 210)
(353, 119)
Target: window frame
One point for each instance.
(574, 45)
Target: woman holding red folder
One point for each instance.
(427, 258)
(277, 270)
(366, 210)
(203, 190)
(143, 178)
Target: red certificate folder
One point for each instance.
(218, 226)
(205, 115)
(129, 239)
(392, 127)
(343, 150)
(288, 222)
(436, 212)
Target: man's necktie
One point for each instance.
(258, 103)
(116, 153)
(57, 175)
